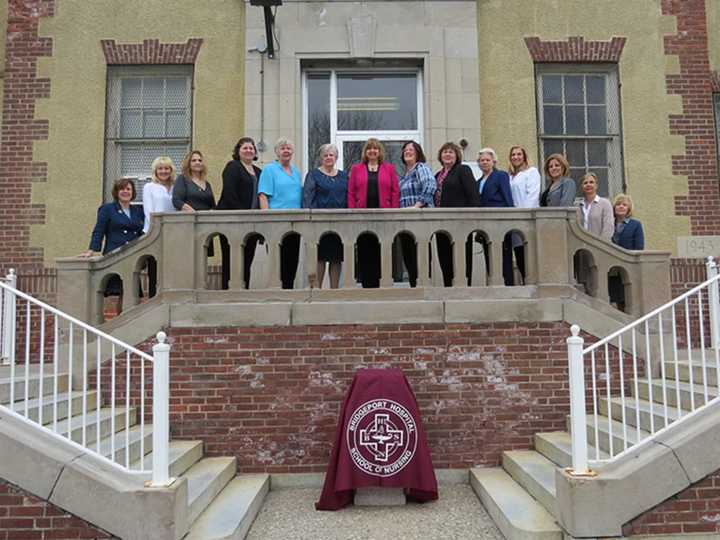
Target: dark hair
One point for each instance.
(122, 183)
(418, 152)
(243, 140)
(455, 148)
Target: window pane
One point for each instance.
(552, 88)
(597, 153)
(552, 147)
(130, 124)
(176, 92)
(553, 120)
(130, 93)
(176, 152)
(318, 88)
(153, 124)
(597, 121)
(576, 153)
(368, 102)
(602, 175)
(595, 89)
(177, 124)
(575, 118)
(152, 92)
(574, 89)
(131, 160)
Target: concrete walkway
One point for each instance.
(290, 514)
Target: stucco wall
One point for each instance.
(507, 91)
(78, 71)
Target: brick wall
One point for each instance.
(26, 517)
(694, 510)
(696, 123)
(686, 274)
(20, 129)
(271, 396)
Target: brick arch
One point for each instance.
(575, 49)
(151, 51)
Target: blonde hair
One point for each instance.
(162, 161)
(627, 199)
(511, 168)
(590, 175)
(561, 160)
(185, 168)
(373, 143)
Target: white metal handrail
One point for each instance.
(646, 377)
(84, 386)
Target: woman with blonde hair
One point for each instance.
(628, 235)
(561, 189)
(596, 212)
(157, 194)
(192, 191)
(525, 184)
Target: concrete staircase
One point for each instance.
(520, 495)
(220, 505)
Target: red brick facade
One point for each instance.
(20, 129)
(151, 51)
(271, 396)
(26, 517)
(575, 49)
(697, 122)
(694, 510)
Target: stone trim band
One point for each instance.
(150, 51)
(575, 49)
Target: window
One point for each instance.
(347, 106)
(579, 116)
(149, 114)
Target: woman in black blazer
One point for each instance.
(239, 192)
(456, 189)
(629, 235)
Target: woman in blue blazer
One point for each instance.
(629, 235)
(118, 223)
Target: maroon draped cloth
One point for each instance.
(380, 442)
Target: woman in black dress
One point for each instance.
(239, 192)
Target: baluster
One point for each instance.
(27, 358)
(42, 366)
(577, 402)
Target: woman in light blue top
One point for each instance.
(280, 184)
(280, 187)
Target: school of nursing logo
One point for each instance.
(381, 437)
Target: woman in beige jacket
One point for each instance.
(596, 213)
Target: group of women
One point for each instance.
(372, 183)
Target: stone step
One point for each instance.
(604, 428)
(72, 401)
(683, 371)
(129, 439)
(231, 514)
(63, 383)
(183, 455)
(651, 415)
(535, 473)
(515, 512)
(205, 480)
(105, 417)
(557, 447)
(672, 389)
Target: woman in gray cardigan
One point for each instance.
(562, 189)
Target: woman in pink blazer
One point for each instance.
(373, 184)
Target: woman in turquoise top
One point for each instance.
(280, 187)
(326, 187)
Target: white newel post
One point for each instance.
(8, 317)
(577, 403)
(161, 413)
(712, 271)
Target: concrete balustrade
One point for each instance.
(179, 245)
